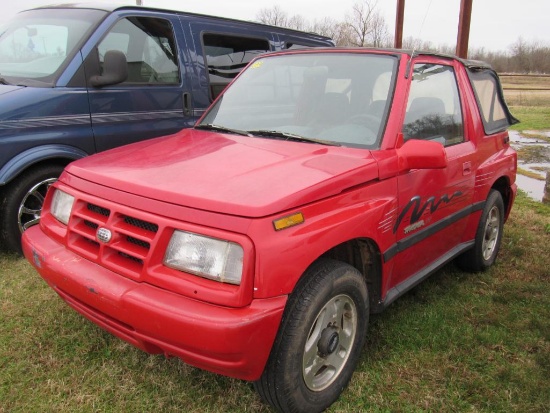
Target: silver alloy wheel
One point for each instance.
(492, 227)
(31, 204)
(329, 342)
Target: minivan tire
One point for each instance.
(22, 203)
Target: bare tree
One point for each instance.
(359, 22)
(414, 43)
(367, 25)
(540, 57)
(345, 35)
(325, 27)
(297, 22)
(337, 31)
(274, 16)
(380, 36)
(520, 50)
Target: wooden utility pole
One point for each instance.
(464, 28)
(399, 18)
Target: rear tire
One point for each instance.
(22, 203)
(488, 236)
(320, 339)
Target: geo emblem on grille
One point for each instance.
(103, 235)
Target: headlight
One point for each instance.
(62, 204)
(206, 257)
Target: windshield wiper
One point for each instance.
(219, 128)
(291, 137)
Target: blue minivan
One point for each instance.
(80, 79)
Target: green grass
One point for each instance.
(532, 117)
(531, 105)
(531, 174)
(459, 342)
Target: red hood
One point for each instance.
(227, 173)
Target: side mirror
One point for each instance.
(115, 70)
(420, 154)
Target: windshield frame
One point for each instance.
(33, 16)
(373, 143)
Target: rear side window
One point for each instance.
(227, 55)
(494, 112)
(150, 49)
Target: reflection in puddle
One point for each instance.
(533, 187)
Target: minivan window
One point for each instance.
(35, 44)
(227, 55)
(150, 49)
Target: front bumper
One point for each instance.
(231, 341)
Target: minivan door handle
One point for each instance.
(187, 104)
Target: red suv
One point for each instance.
(318, 188)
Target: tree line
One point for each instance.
(364, 26)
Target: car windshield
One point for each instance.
(320, 97)
(36, 44)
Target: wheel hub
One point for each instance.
(328, 343)
(31, 204)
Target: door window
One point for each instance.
(150, 49)
(433, 108)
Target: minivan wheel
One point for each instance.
(22, 203)
(319, 341)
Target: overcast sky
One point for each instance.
(496, 24)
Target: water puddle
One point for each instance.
(533, 187)
(533, 156)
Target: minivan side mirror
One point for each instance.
(115, 70)
(421, 154)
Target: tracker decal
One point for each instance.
(418, 210)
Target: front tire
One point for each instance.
(22, 203)
(320, 339)
(488, 236)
